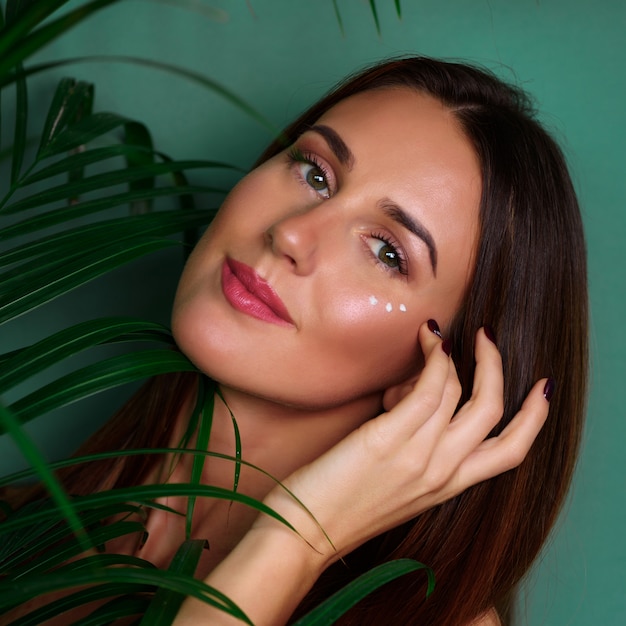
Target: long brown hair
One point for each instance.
(529, 285)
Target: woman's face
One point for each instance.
(311, 283)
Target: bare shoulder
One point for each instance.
(490, 618)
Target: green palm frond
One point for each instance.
(335, 606)
(83, 253)
(97, 377)
(24, 34)
(197, 78)
(166, 602)
(374, 11)
(144, 495)
(13, 593)
(88, 195)
(31, 360)
(63, 506)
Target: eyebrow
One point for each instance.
(336, 144)
(399, 215)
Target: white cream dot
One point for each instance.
(389, 307)
(373, 300)
(403, 308)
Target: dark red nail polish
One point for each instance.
(446, 346)
(548, 390)
(434, 327)
(490, 334)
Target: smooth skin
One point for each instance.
(384, 473)
(318, 248)
(350, 406)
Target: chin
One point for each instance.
(290, 395)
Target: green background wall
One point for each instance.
(280, 55)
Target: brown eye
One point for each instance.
(311, 172)
(388, 255)
(387, 252)
(315, 178)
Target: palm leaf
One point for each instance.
(374, 11)
(13, 593)
(37, 517)
(91, 379)
(7, 78)
(31, 275)
(3, 153)
(65, 343)
(204, 433)
(80, 159)
(137, 134)
(82, 132)
(58, 280)
(237, 437)
(98, 182)
(63, 244)
(166, 602)
(23, 544)
(97, 155)
(19, 135)
(117, 608)
(16, 45)
(334, 607)
(144, 495)
(64, 506)
(103, 615)
(24, 15)
(84, 208)
(70, 101)
(338, 18)
(13, 12)
(62, 552)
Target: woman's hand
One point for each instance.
(415, 455)
(389, 470)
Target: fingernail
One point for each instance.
(446, 346)
(490, 334)
(434, 327)
(548, 390)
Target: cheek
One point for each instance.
(388, 305)
(373, 333)
(256, 199)
(239, 218)
(373, 313)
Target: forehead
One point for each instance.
(414, 121)
(413, 142)
(409, 147)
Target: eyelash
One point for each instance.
(397, 250)
(296, 156)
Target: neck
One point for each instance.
(278, 438)
(275, 438)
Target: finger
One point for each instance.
(433, 432)
(488, 362)
(483, 411)
(396, 392)
(430, 390)
(506, 451)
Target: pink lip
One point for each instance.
(247, 292)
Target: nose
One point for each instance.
(296, 238)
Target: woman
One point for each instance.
(417, 191)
